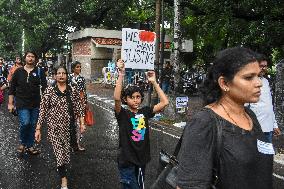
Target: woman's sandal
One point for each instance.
(81, 149)
(21, 149)
(33, 151)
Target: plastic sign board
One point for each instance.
(181, 104)
(138, 48)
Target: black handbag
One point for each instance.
(167, 170)
(168, 166)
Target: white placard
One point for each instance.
(138, 48)
(181, 102)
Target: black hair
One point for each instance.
(129, 90)
(19, 56)
(227, 63)
(63, 67)
(32, 52)
(74, 64)
(261, 57)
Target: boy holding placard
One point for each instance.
(134, 143)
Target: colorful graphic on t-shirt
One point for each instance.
(139, 128)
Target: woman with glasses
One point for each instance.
(61, 106)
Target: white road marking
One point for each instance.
(159, 130)
(108, 101)
(279, 158)
(278, 176)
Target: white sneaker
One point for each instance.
(65, 187)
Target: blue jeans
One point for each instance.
(132, 177)
(269, 136)
(165, 87)
(28, 119)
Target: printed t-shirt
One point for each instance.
(134, 143)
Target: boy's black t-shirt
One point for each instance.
(134, 143)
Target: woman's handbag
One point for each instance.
(167, 178)
(89, 116)
(167, 171)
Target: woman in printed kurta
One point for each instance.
(61, 106)
(79, 82)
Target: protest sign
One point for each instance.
(138, 48)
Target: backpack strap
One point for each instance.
(39, 74)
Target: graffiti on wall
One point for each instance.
(107, 41)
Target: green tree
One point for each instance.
(215, 25)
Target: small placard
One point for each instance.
(181, 104)
(181, 101)
(265, 148)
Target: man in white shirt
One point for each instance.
(264, 108)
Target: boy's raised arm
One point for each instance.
(163, 98)
(118, 86)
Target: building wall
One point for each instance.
(93, 58)
(82, 52)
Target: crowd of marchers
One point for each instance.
(228, 144)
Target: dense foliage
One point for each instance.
(213, 25)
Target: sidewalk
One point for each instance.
(194, 106)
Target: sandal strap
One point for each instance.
(21, 149)
(32, 150)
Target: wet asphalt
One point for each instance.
(96, 168)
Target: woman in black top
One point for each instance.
(243, 159)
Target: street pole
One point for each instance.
(23, 41)
(157, 51)
(177, 45)
(162, 41)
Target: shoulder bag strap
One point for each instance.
(177, 148)
(219, 144)
(39, 75)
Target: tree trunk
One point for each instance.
(157, 51)
(177, 45)
(279, 94)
